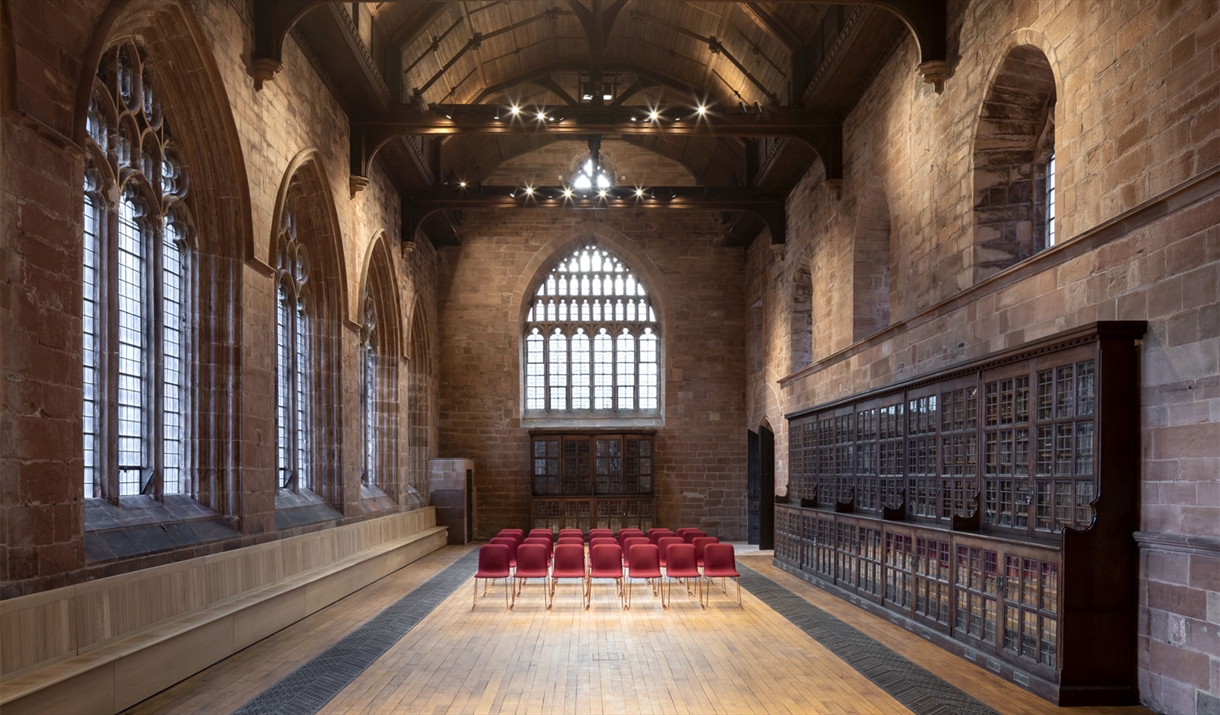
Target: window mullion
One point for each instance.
(155, 319)
(110, 373)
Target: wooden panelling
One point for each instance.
(190, 613)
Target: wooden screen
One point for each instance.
(592, 480)
(976, 504)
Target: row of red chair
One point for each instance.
(509, 556)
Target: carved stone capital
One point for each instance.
(933, 72)
(263, 69)
(835, 187)
(778, 250)
(356, 184)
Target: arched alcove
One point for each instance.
(800, 330)
(1013, 150)
(381, 342)
(871, 264)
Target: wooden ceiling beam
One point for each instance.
(418, 206)
(534, 76)
(820, 131)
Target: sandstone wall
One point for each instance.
(696, 285)
(243, 142)
(1138, 147)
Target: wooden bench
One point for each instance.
(71, 669)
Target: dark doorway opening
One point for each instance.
(766, 488)
(753, 485)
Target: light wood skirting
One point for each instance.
(107, 644)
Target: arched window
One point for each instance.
(587, 179)
(138, 282)
(370, 395)
(293, 362)
(592, 343)
(1013, 163)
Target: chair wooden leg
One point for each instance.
(627, 596)
(509, 597)
(476, 594)
(738, 580)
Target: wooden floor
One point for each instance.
(568, 660)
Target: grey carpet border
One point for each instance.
(311, 686)
(906, 682)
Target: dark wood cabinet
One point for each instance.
(591, 480)
(989, 507)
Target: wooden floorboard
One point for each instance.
(601, 662)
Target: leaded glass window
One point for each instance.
(592, 344)
(293, 356)
(138, 289)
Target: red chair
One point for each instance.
(593, 533)
(693, 534)
(629, 542)
(546, 533)
(626, 534)
(493, 564)
(571, 532)
(605, 561)
(538, 541)
(663, 545)
(644, 561)
(680, 560)
(570, 563)
(533, 561)
(720, 561)
(655, 535)
(518, 533)
(700, 543)
(512, 545)
(580, 540)
(682, 531)
(594, 541)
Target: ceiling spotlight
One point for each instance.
(461, 184)
(633, 119)
(654, 115)
(448, 116)
(601, 193)
(541, 115)
(701, 109)
(529, 191)
(514, 110)
(567, 193)
(639, 193)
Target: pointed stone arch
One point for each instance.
(306, 223)
(381, 350)
(207, 147)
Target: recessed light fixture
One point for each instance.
(654, 115)
(633, 119)
(639, 193)
(529, 191)
(567, 193)
(514, 110)
(602, 193)
(461, 184)
(448, 116)
(701, 109)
